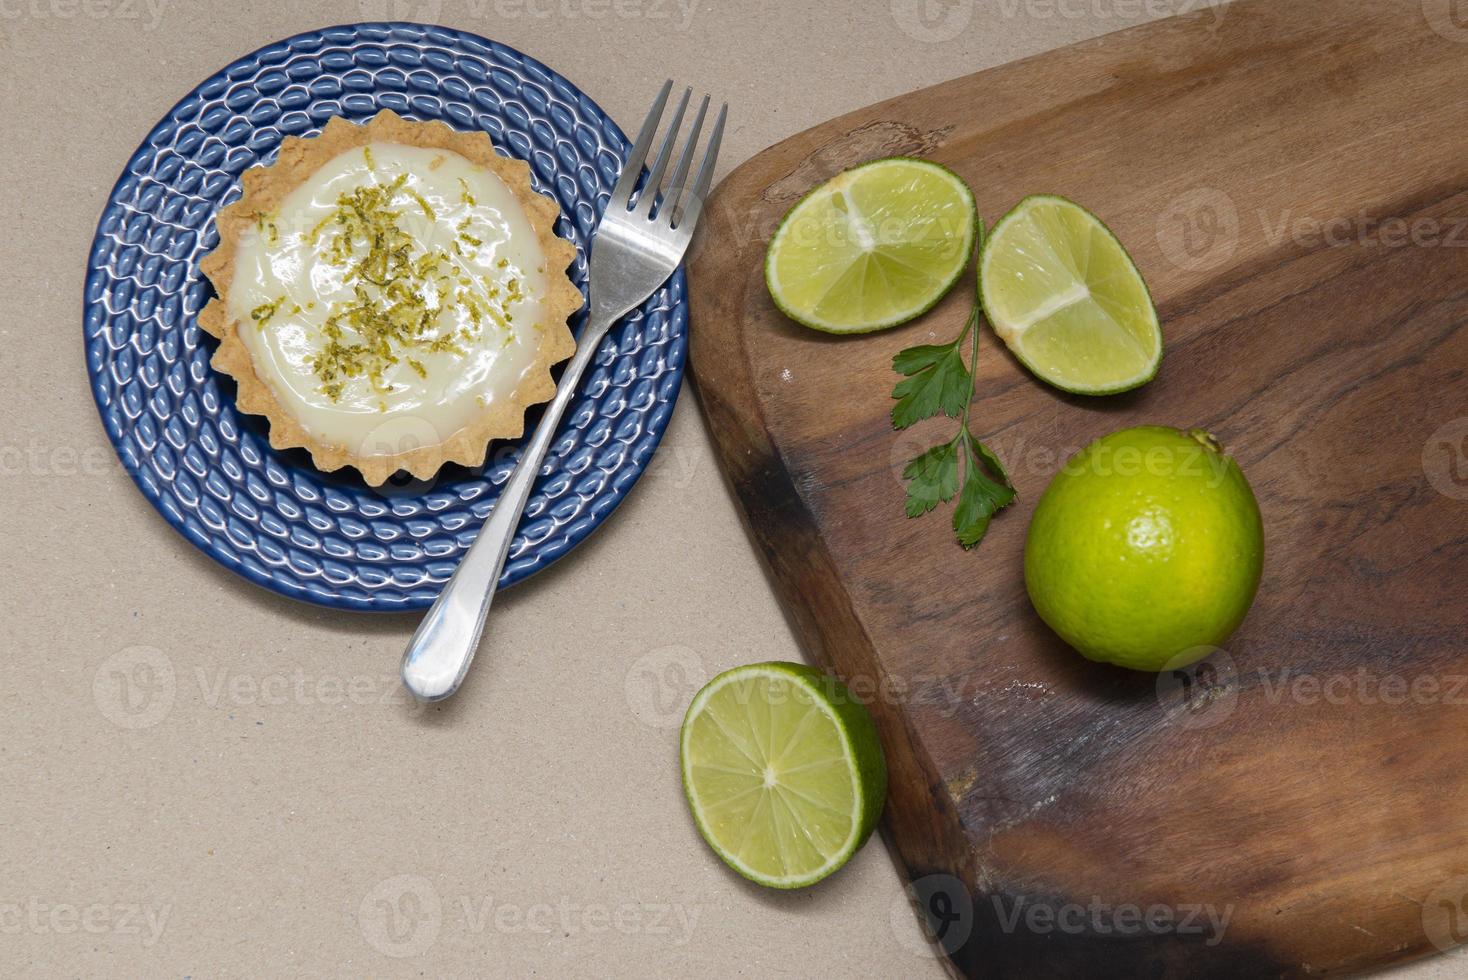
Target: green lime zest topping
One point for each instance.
(266, 226)
(399, 291)
(427, 211)
(463, 229)
(262, 313)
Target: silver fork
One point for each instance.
(632, 253)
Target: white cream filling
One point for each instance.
(286, 268)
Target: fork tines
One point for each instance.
(677, 201)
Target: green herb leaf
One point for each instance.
(971, 516)
(937, 382)
(932, 476)
(986, 490)
(915, 359)
(984, 453)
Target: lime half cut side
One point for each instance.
(1062, 292)
(783, 772)
(872, 247)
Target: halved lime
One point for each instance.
(1061, 291)
(783, 772)
(873, 246)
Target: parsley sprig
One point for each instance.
(936, 380)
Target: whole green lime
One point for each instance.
(1146, 549)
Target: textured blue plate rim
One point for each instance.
(677, 358)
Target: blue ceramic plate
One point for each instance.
(267, 514)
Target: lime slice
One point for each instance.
(1060, 290)
(783, 772)
(873, 246)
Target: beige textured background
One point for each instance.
(255, 796)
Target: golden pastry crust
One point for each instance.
(266, 187)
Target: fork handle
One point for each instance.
(439, 654)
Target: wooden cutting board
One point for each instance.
(1292, 179)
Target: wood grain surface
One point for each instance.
(1292, 179)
